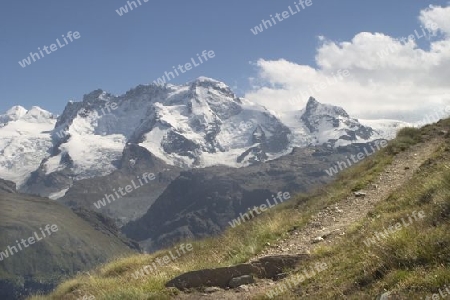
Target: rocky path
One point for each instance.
(330, 224)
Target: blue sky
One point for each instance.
(117, 53)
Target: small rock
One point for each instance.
(241, 280)
(316, 224)
(212, 289)
(407, 168)
(327, 234)
(317, 239)
(244, 288)
(384, 296)
(293, 229)
(359, 194)
(280, 276)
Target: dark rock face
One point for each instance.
(7, 186)
(40, 183)
(177, 143)
(267, 267)
(219, 277)
(136, 158)
(254, 155)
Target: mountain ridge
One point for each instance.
(195, 125)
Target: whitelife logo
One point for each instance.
(128, 189)
(163, 260)
(281, 17)
(31, 240)
(341, 165)
(53, 47)
(280, 196)
(187, 67)
(441, 294)
(431, 27)
(435, 116)
(124, 9)
(393, 228)
(320, 86)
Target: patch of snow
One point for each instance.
(24, 142)
(57, 195)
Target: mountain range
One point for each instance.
(196, 125)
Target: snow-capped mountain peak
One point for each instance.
(16, 112)
(34, 115)
(24, 141)
(12, 114)
(39, 115)
(207, 79)
(320, 123)
(314, 107)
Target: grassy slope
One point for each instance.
(413, 260)
(412, 263)
(75, 246)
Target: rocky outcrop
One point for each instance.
(230, 277)
(7, 186)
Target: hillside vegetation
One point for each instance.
(40, 266)
(411, 263)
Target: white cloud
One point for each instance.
(389, 77)
(437, 15)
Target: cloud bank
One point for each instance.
(372, 76)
